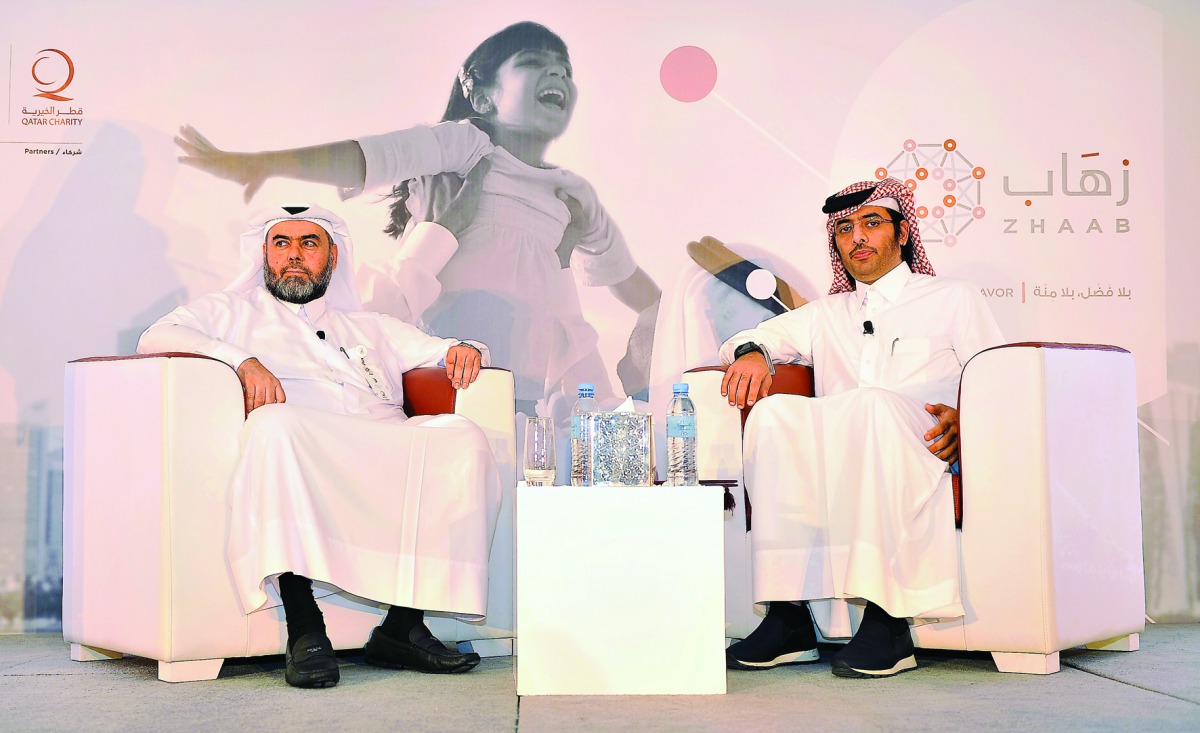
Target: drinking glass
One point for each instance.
(539, 452)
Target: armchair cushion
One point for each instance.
(428, 391)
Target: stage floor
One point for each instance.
(1156, 688)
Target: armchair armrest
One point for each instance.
(719, 425)
(488, 403)
(719, 458)
(127, 497)
(1053, 508)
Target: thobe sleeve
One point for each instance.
(394, 157)
(413, 347)
(194, 328)
(785, 338)
(407, 284)
(602, 257)
(975, 327)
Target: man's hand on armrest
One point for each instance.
(747, 380)
(259, 386)
(945, 433)
(462, 365)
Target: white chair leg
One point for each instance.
(193, 671)
(81, 653)
(1023, 663)
(1127, 643)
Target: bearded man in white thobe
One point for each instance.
(334, 483)
(848, 487)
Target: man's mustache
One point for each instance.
(293, 269)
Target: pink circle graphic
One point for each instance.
(949, 184)
(978, 212)
(938, 174)
(938, 212)
(688, 74)
(949, 240)
(910, 145)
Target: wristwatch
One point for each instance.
(750, 347)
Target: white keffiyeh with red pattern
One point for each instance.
(887, 188)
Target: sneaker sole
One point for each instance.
(903, 665)
(805, 657)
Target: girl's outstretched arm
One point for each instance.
(339, 164)
(638, 291)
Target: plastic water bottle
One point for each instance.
(580, 450)
(681, 439)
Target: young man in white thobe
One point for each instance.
(334, 482)
(847, 487)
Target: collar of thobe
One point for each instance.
(310, 311)
(884, 290)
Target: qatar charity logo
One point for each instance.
(53, 72)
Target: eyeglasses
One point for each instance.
(870, 223)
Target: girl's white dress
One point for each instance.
(506, 284)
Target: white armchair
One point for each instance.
(149, 447)
(1050, 540)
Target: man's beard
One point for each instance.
(292, 288)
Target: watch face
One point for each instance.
(744, 349)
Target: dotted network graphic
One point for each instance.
(933, 170)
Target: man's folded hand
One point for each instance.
(259, 386)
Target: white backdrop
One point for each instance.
(809, 96)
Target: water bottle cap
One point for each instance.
(679, 388)
(587, 389)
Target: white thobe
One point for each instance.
(336, 484)
(848, 500)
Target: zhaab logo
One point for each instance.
(52, 67)
(945, 184)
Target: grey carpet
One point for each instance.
(1157, 688)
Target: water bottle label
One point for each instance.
(576, 427)
(681, 426)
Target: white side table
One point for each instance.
(620, 590)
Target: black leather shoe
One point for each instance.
(776, 642)
(421, 651)
(311, 662)
(876, 651)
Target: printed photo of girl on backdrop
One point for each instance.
(538, 232)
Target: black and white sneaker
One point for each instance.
(876, 651)
(776, 641)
